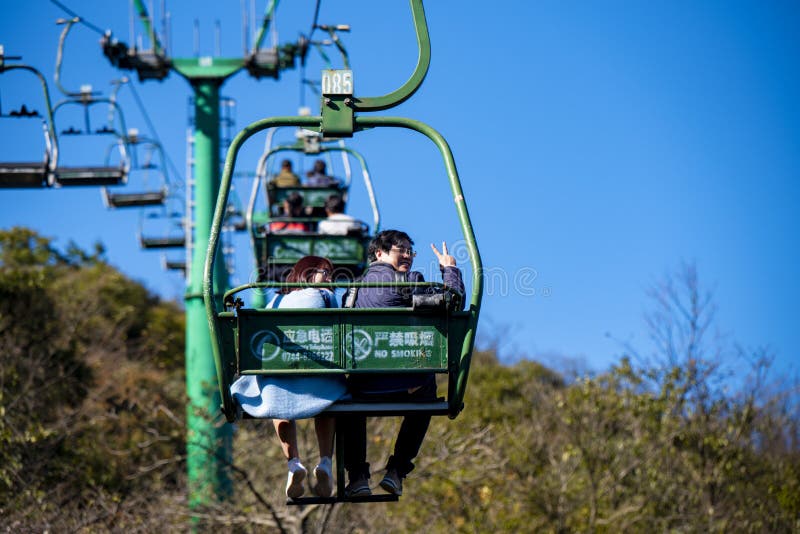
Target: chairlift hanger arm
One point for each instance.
(338, 42)
(324, 56)
(85, 92)
(62, 39)
(269, 12)
(415, 81)
(148, 64)
(144, 17)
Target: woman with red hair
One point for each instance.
(287, 398)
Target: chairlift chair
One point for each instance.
(173, 265)
(94, 175)
(29, 174)
(430, 337)
(276, 252)
(170, 231)
(89, 175)
(451, 332)
(146, 169)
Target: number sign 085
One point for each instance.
(337, 82)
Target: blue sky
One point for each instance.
(600, 144)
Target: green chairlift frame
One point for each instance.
(341, 341)
(234, 353)
(282, 250)
(30, 174)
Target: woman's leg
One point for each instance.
(325, 427)
(323, 472)
(287, 434)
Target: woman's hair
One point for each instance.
(305, 269)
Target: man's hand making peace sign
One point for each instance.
(445, 259)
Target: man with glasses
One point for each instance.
(391, 256)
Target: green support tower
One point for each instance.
(208, 447)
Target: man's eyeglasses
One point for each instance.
(405, 251)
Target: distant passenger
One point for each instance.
(338, 223)
(316, 177)
(286, 177)
(292, 207)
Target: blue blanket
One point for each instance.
(287, 397)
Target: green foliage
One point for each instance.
(91, 389)
(92, 429)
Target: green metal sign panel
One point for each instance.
(343, 342)
(288, 248)
(291, 344)
(407, 346)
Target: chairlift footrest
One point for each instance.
(370, 409)
(381, 497)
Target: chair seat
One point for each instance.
(162, 242)
(136, 200)
(22, 175)
(68, 176)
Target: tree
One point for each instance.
(92, 400)
(88, 431)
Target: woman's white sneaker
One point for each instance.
(324, 477)
(294, 482)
